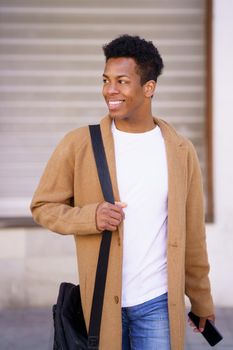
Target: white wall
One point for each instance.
(33, 262)
(220, 234)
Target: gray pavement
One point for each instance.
(32, 329)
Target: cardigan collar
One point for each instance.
(168, 132)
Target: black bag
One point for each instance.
(69, 326)
(68, 318)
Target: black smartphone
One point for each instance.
(210, 333)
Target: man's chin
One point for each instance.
(116, 116)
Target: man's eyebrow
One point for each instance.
(118, 76)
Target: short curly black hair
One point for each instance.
(145, 54)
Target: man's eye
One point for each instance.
(122, 81)
(105, 81)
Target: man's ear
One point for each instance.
(149, 88)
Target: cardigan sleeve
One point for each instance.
(197, 285)
(51, 205)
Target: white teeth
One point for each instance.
(115, 102)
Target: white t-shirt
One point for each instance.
(142, 178)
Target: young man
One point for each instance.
(158, 250)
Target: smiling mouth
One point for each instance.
(115, 104)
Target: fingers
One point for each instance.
(203, 320)
(121, 204)
(109, 227)
(115, 215)
(195, 329)
(202, 324)
(109, 216)
(113, 211)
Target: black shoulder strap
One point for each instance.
(102, 266)
(101, 163)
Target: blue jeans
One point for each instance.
(146, 326)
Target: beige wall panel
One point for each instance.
(12, 291)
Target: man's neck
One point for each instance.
(135, 126)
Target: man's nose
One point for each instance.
(112, 89)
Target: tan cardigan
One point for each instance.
(66, 200)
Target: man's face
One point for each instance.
(122, 90)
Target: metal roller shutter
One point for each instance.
(51, 64)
